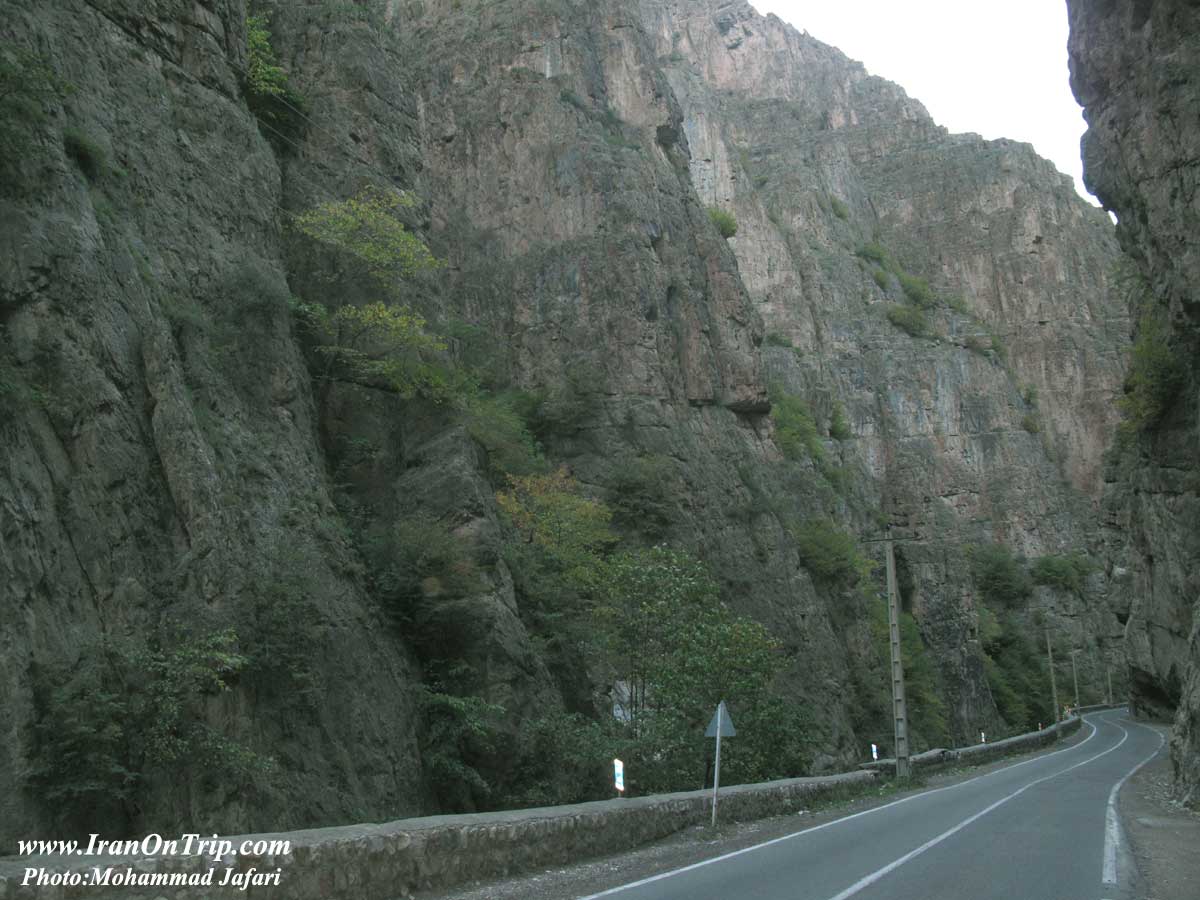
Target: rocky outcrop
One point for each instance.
(1133, 68)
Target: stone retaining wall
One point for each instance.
(977, 754)
(383, 862)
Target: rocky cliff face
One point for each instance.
(820, 160)
(1133, 68)
(172, 469)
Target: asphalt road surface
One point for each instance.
(1043, 829)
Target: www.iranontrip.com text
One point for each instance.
(212, 848)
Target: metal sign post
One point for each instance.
(720, 726)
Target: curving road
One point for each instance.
(1042, 829)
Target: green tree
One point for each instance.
(368, 227)
(999, 576)
(557, 557)
(678, 650)
(378, 344)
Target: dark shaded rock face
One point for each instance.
(168, 465)
(1134, 68)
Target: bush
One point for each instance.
(999, 576)
(642, 495)
(1063, 572)
(130, 713)
(1155, 373)
(27, 83)
(496, 423)
(909, 319)
(877, 254)
(839, 428)
(795, 429)
(830, 554)
(916, 289)
(87, 154)
(417, 562)
(1031, 423)
(882, 279)
(724, 221)
(775, 339)
(839, 208)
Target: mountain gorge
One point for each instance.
(746, 300)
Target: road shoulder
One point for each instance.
(1163, 835)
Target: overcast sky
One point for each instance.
(997, 69)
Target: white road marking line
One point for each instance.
(1113, 833)
(869, 880)
(865, 812)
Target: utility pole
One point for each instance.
(1075, 678)
(903, 766)
(1108, 675)
(1053, 683)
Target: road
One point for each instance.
(1042, 829)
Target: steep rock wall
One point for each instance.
(818, 159)
(1133, 67)
(169, 480)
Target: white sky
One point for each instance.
(997, 69)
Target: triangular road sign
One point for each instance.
(726, 724)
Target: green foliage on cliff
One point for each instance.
(878, 254)
(642, 497)
(926, 706)
(459, 730)
(369, 228)
(87, 154)
(28, 83)
(130, 713)
(277, 105)
(1000, 577)
(499, 424)
(796, 431)
(379, 346)
(916, 289)
(909, 319)
(1155, 373)
(839, 428)
(1015, 669)
(724, 221)
(653, 620)
(830, 554)
(384, 345)
(1063, 572)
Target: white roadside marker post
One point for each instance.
(619, 777)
